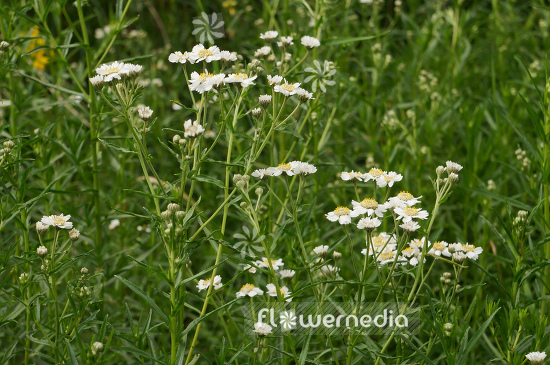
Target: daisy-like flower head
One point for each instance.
(269, 35)
(438, 248)
(409, 213)
(410, 226)
(285, 42)
(321, 250)
(341, 214)
(410, 255)
(303, 168)
(201, 82)
(368, 223)
(536, 357)
(227, 56)
(58, 221)
(192, 129)
(310, 42)
(453, 167)
(261, 173)
(369, 206)
(132, 70)
(112, 71)
(265, 100)
(240, 78)
(387, 256)
(199, 53)
(418, 243)
(41, 228)
(287, 89)
(272, 291)
(217, 81)
(373, 174)
(353, 175)
(387, 179)
(178, 57)
(472, 251)
(282, 168)
(276, 264)
(303, 95)
(459, 256)
(262, 52)
(287, 274)
(97, 81)
(145, 113)
(274, 80)
(42, 251)
(407, 198)
(381, 242)
(249, 290)
(262, 329)
(205, 283)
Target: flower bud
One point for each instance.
(257, 113)
(176, 138)
(336, 255)
(84, 271)
(173, 207)
(42, 251)
(180, 214)
(4, 46)
(97, 348)
(440, 170)
(145, 113)
(166, 215)
(453, 177)
(74, 234)
(265, 100)
(24, 278)
(241, 184)
(41, 228)
(9, 144)
(259, 191)
(237, 178)
(448, 326)
(244, 205)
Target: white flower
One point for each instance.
(269, 35)
(410, 255)
(403, 199)
(145, 113)
(192, 129)
(241, 78)
(459, 256)
(112, 71)
(97, 80)
(329, 270)
(285, 41)
(287, 89)
(132, 69)
(262, 329)
(250, 290)
(205, 284)
(200, 82)
(438, 248)
(536, 357)
(373, 174)
(217, 80)
(369, 206)
(419, 243)
(408, 213)
(274, 80)
(410, 226)
(114, 224)
(472, 251)
(310, 42)
(264, 99)
(368, 223)
(199, 53)
(41, 228)
(272, 291)
(276, 264)
(303, 95)
(42, 251)
(387, 179)
(387, 256)
(262, 52)
(178, 57)
(321, 250)
(251, 269)
(453, 167)
(341, 214)
(260, 173)
(59, 221)
(227, 56)
(287, 274)
(346, 176)
(380, 242)
(303, 168)
(284, 167)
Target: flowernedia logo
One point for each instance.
(208, 27)
(334, 319)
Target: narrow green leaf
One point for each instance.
(140, 292)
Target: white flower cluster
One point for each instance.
(290, 169)
(114, 71)
(280, 85)
(381, 177)
(205, 283)
(251, 290)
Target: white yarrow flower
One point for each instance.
(249, 290)
(310, 42)
(240, 78)
(303, 168)
(59, 221)
(200, 82)
(112, 71)
(388, 179)
(369, 207)
(145, 113)
(227, 56)
(262, 52)
(472, 251)
(536, 357)
(272, 291)
(438, 248)
(269, 35)
(276, 264)
(353, 175)
(453, 167)
(205, 283)
(287, 274)
(287, 89)
(341, 214)
(178, 57)
(409, 213)
(274, 80)
(199, 53)
(410, 226)
(368, 223)
(262, 329)
(321, 250)
(192, 129)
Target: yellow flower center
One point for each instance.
(204, 76)
(241, 76)
(288, 87)
(206, 282)
(284, 166)
(58, 220)
(410, 211)
(369, 204)
(247, 287)
(374, 172)
(468, 248)
(405, 195)
(283, 292)
(379, 241)
(387, 255)
(408, 251)
(112, 69)
(340, 211)
(203, 53)
(438, 246)
(416, 243)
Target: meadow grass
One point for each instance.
(160, 206)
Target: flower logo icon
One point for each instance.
(287, 320)
(208, 27)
